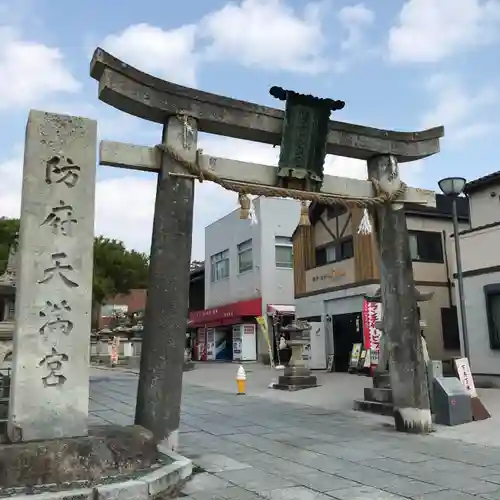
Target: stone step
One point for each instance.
(311, 380)
(374, 407)
(283, 387)
(381, 380)
(378, 395)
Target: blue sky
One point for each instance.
(403, 65)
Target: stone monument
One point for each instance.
(54, 288)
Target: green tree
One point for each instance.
(8, 231)
(116, 269)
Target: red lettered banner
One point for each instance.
(372, 312)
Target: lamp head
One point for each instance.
(452, 186)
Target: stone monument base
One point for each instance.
(295, 378)
(107, 462)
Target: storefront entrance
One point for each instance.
(347, 330)
(223, 339)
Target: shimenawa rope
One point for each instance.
(246, 188)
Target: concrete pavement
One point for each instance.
(303, 445)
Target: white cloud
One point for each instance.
(166, 54)
(458, 109)
(355, 19)
(30, 71)
(431, 30)
(266, 34)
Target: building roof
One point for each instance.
(482, 182)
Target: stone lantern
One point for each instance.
(297, 374)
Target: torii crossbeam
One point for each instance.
(184, 112)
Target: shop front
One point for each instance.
(227, 332)
(279, 316)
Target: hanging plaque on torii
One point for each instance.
(306, 134)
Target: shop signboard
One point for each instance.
(237, 343)
(372, 314)
(355, 355)
(210, 344)
(465, 375)
(201, 345)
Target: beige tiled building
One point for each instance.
(335, 268)
(480, 249)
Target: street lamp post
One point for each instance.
(454, 187)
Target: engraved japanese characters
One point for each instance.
(55, 316)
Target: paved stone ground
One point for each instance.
(251, 447)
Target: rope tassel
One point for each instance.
(245, 206)
(365, 226)
(304, 214)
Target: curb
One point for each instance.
(164, 480)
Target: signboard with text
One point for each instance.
(465, 375)
(372, 314)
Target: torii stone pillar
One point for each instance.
(163, 341)
(150, 98)
(407, 366)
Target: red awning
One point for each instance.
(226, 314)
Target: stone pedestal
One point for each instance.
(295, 378)
(377, 399)
(104, 452)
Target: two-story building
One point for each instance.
(248, 274)
(480, 252)
(335, 268)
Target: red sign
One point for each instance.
(371, 315)
(227, 311)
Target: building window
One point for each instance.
(426, 246)
(492, 296)
(284, 252)
(449, 324)
(335, 252)
(219, 266)
(245, 256)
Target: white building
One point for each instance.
(248, 273)
(480, 249)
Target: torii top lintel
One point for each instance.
(145, 96)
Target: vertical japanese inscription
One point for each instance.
(56, 315)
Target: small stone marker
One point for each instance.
(451, 402)
(50, 374)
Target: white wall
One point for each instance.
(483, 359)
(226, 234)
(276, 217)
(480, 249)
(485, 205)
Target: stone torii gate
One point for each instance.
(183, 112)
